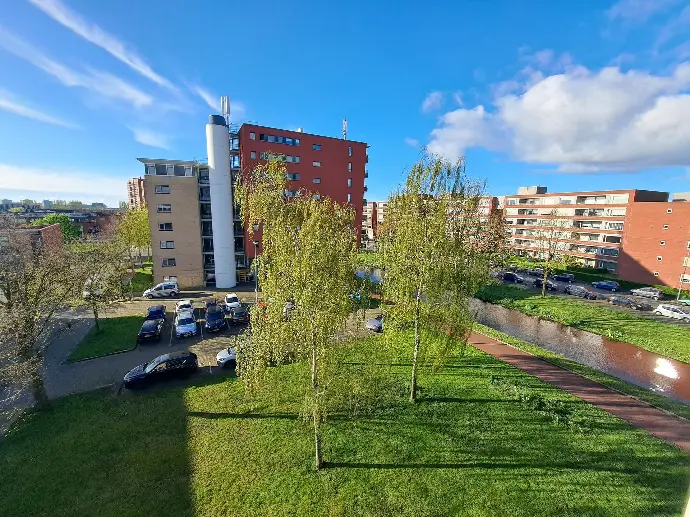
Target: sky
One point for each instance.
(573, 95)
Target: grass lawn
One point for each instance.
(651, 397)
(466, 448)
(143, 278)
(662, 338)
(115, 335)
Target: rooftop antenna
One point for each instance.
(344, 129)
(225, 108)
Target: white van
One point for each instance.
(163, 290)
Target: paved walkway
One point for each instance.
(661, 424)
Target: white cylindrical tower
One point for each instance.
(220, 183)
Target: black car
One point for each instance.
(535, 272)
(582, 292)
(512, 277)
(563, 277)
(151, 330)
(156, 312)
(630, 303)
(210, 303)
(550, 286)
(175, 364)
(239, 315)
(215, 318)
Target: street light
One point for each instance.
(256, 274)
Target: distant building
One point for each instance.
(98, 205)
(136, 197)
(47, 203)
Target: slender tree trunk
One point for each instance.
(316, 414)
(37, 385)
(543, 280)
(95, 317)
(413, 382)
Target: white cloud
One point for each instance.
(457, 98)
(151, 138)
(412, 142)
(237, 109)
(10, 104)
(675, 26)
(432, 102)
(581, 121)
(638, 11)
(94, 34)
(100, 82)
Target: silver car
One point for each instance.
(375, 324)
(648, 292)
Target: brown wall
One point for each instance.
(184, 199)
(644, 231)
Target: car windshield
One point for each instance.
(214, 315)
(150, 366)
(149, 325)
(185, 321)
(231, 299)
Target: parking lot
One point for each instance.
(603, 302)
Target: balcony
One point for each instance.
(582, 212)
(524, 211)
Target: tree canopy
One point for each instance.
(70, 231)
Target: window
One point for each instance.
(316, 164)
(658, 258)
(688, 246)
(662, 243)
(349, 166)
(170, 279)
(349, 182)
(252, 155)
(162, 189)
(292, 176)
(164, 208)
(318, 180)
(291, 193)
(150, 169)
(170, 170)
(165, 227)
(168, 262)
(188, 171)
(349, 198)
(316, 147)
(656, 273)
(349, 151)
(316, 196)
(252, 135)
(278, 139)
(665, 227)
(170, 245)
(669, 211)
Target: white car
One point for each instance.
(226, 357)
(184, 305)
(232, 301)
(166, 289)
(673, 311)
(185, 324)
(648, 292)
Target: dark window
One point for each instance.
(164, 208)
(167, 245)
(292, 176)
(252, 135)
(316, 180)
(349, 151)
(168, 262)
(349, 182)
(253, 155)
(162, 189)
(316, 147)
(165, 227)
(349, 167)
(349, 198)
(316, 164)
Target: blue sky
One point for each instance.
(574, 95)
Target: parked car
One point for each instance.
(239, 315)
(563, 277)
(210, 303)
(648, 292)
(231, 301)
(151, 330)
(630, 303)
(184, 305)
(535, 272)
(608, 285)
(685, 302)
(511, 277)
(155, 312)
(550, 286)
(375, 324)
(226, 357)
(175, 364)
(582, 292)
(185, 324)
(163, 290)
(673, 311)
(215, 318)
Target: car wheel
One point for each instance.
(686, 320)
(656, 298)
(657, 313)
(613, 290)
(149, 296)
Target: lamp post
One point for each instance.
(686, 261)
(256, 274)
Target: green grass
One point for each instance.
(662, 338)
(466, 448)
(615, 383)
(143, 278)
(115, 335)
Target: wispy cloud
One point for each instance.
(457, 98)
(638, 11)
(94, 34)
(412, 142)
(151, 138)
(237, 109)
(432, 102)
(676, 26)
(98, 81)
(684, 177)
(10, 104)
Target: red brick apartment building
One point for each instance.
(620, 230)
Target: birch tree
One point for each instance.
(549, 239)
(306, 275)
(434, 254)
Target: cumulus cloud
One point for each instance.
(581, 121)
(432, 102)
(97, 81)
(412, 142)
(10, 104)
(94, 34)
(151, 138)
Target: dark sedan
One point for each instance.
(156, 312)
(550, 286)
(511, 277)
(582, 292)
(175, 364)
(535, 272)
(239, 315)
(563, 277)
(151, 330)
(609, 285)
(630, 303)
(215, 318)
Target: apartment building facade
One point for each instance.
(178, 195)
(369, 221)
(136, 197)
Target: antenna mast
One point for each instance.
(225, 108)
(344, 129)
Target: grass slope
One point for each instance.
(115, 335)
(665, 339)
(466, 448)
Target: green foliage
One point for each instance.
(368, 259)
(143, 279)
(70, 231)
(115, 335)
(133, 231)
(665, 339)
